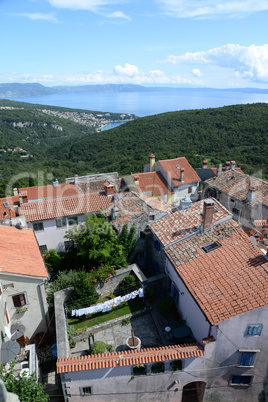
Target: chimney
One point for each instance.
(232, 165)
(109, 188)
(76, 179)
(23, 197)
(152, 163)
(219, 170)
(207, 217)
(205, 165)
(251, 194)
(227, 165)
(15, 191)
(55, 183)
(182, 175)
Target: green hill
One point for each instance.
(237, 133)
(229, 133)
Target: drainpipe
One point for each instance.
(42, 300)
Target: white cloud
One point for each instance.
(96, 6)
(127, 71)
(118, 14)
(127, 74)
(196, 72)
(212, 8)
(249, 62)
(38, 16)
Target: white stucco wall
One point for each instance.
(182, 191)
(34, 319)
(52, 236)
(188, 308)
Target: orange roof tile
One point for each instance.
(65, 206)
(226, 281)
(180, 224)
(12, 201)
(173, 168)
(128, 358)
(49, 191)
(153, 182)
(19, 252)
(237, 169)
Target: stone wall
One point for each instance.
(104, 289)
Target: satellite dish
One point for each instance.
(7, 332)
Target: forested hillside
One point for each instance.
(237, 133)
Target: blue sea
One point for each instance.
(149, 103)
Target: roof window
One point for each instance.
(211, 246)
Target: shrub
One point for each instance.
(128, 284)
(158, 367)
(72, 344)
(126, 321)
(140, 369)
(176, 365)
(100, 347)
(70, 331)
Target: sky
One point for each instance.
(182, 43)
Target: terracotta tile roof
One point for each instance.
(237, 169)
(229, 280)
(12, 201)
(132, 206)
(128, 358)
(49, 191)
(180, 224)
(173, 171)
(153, 182)
(260, 223)
(19, 252)
(98, 185)
(156, 203)
(65, 206)
(237, 185)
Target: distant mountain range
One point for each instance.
(16, 90)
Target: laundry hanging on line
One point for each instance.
(107, 305)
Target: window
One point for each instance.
(38, 226)
(142, 254)
(190, 190)
(246, 359)
(73, 221)
(241, 379)
(157, 245)
(61, 222)
(211, 246)
(142, 235)
(151, 217)
(86, 391)
(19, 300)
(6, 314)
(236, 212)
(0, 289)
(43, 249)
(254, 329)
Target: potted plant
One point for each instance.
(140, 369)
(158, 367)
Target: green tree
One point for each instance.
(27, 389)
(128, 240)
(84, 293)
(97, 242)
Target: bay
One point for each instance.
(151, 102)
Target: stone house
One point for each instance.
(206, 172)
(171, 180)
(246, 197)
(139, 210)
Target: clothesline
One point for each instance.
(107, 305)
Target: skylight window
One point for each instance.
(178, 166)
(211, 246)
